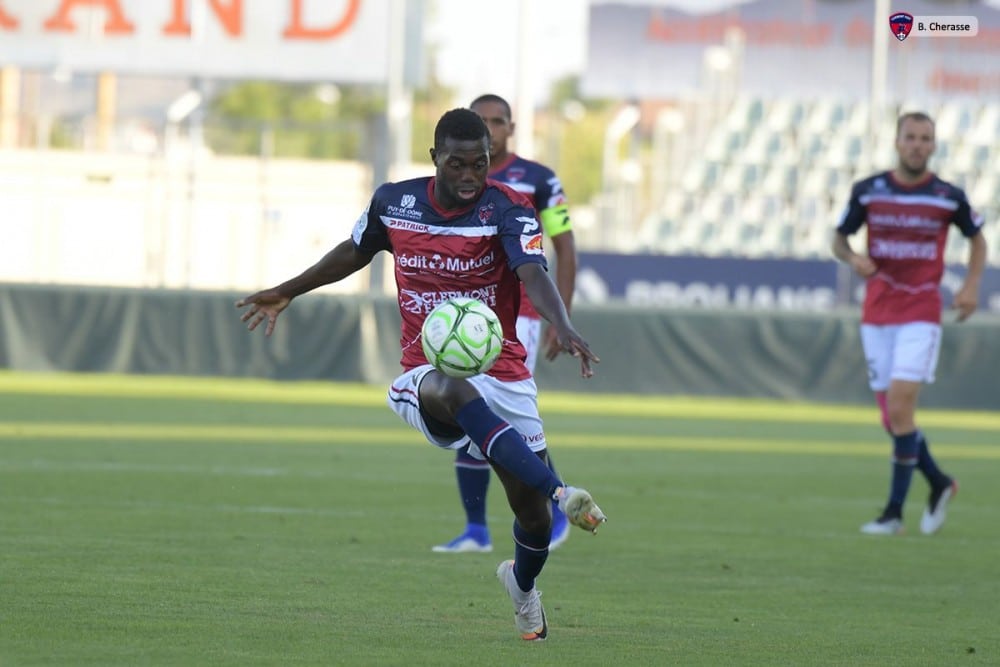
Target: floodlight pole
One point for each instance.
(524, 113)
(397, 127)
(880, 57)
(399, 99)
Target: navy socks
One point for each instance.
(501, 443)
(905, 455)
(530, 554)
(473, 478)
(926, 465)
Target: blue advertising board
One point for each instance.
(732, 282)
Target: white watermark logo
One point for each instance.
(905, 25)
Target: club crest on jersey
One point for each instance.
(532, 245)
(485, 213)
(901, 23)
(514, 174)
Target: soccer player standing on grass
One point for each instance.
(457, 233)
(908, 211)
(543, 187)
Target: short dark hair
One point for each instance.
(461, 124)
(495, 99)
(913, 115)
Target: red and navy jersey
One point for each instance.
(544, 188)
(439, 254)
(907, 232)
(530, 178)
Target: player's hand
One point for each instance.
(574, 345)
(264, 305)
(966, 301)
(864, 266)
(550, 343)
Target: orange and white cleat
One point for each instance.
(579, 508)
(529, 616)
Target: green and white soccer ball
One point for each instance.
(462, 337)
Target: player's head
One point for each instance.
(914, 143)
(495, 112)
(461, 156)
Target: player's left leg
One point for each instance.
(915, 354)
(918, 347)
(450, 412)
(529, 333)
(462, 405)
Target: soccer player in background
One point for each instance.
(544, 189)
(908, 211)
(491, 234)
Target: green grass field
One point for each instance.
(165, 521)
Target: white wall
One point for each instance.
(140, 221)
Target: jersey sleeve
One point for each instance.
(369, 233)
(552, 205)
(521, 236)
(966, 219)
(854, 215)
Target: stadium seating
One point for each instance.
(771, 178)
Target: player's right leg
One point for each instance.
(878, 343)
(532, 530)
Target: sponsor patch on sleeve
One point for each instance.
(532, 244)
(360, 226)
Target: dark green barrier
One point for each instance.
(643, 351)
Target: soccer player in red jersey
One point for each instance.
(459, 234)
(541, 185)
(908, 211)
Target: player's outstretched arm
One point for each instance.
(336, 265)
(565, 248)
(545, 297)
(967, 298)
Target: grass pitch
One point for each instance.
(165, 521)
